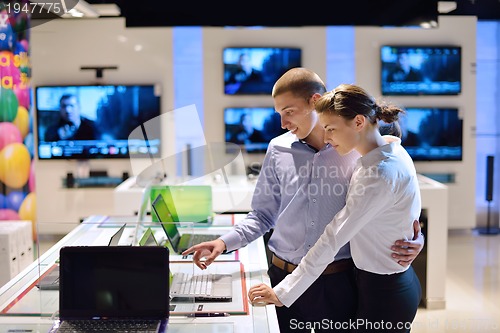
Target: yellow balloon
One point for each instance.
(15, 164)
(22, 121)
(27, 211)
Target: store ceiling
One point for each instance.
(147, 13)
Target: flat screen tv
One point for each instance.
(95, 121)
(252, 128)
(432, 134)
(421, 70)
(254, 70)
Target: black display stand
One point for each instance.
(489, 230)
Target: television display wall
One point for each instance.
(94, 121)
(252, 128)
(432, 134)
(254, 70)
(420, 70)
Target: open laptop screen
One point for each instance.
(114, 282)
(167, 220)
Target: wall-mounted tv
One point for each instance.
(252, 128)
(432, 134)
(254, 70)
(95, 121)
(420, 70)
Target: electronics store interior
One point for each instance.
(128, 130)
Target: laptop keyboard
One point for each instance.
(111, 326)
(189, 284)
(200, 238)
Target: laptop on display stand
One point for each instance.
(114, 289)
(167, 216)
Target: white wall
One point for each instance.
(58, 49)
(455, 30)
(488, 118)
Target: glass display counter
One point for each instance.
(24, 306)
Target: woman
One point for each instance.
(381, 204)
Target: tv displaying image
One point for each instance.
(421, 70)
(94, 121)
(254, 70)
(432, 134)
(252, 128)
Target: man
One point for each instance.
(246, 133)
(404, 71)
(71, 125)
(302, 185)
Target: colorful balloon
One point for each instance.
(8, 214)
(15, 199)
(25, 44)
(6, 34)
(27, 211)
(8, 105)
(23, 95)
(15, 164)
(22, 121)
(19, 48)
(9, 133)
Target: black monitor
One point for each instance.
(95, 121)
(252, 128)
(420, 70)
(254, 70)
(432, 134)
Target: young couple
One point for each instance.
(343, 202)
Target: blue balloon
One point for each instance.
(19, 48)
(15, 199)
(3, 201)
(6, 37)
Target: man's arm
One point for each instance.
(406, 251)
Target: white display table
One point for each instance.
(23, 307)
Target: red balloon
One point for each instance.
(8, 214)
(9, 133)
(23, 95)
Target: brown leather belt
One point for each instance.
(334, 267)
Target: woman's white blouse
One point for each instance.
(382, 202)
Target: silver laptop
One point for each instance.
(168, 218)
(202, 287)
(113, 289)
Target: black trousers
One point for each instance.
(328, 305)
(387, 303)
